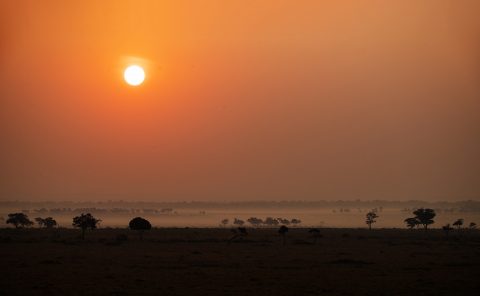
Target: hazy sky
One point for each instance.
(243, 100)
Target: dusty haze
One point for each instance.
(244, 100)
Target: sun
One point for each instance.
(134, 75)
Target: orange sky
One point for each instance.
(243, 100)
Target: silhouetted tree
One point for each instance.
(295, 222)
(458, 223)
(370, 219)
(447, 228)
(224, 222)
(19, 220)
(283, 221)
(425, 216)
(315, 232)
(472, 225)
(238, 222)
(255, 221)
(283, 232)
(269, 221)
(411, 222)
(48, 222)
(140, 225)
(84, 222)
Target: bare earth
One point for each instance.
(201, 262)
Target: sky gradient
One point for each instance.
(243, 100)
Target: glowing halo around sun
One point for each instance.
(134, 75)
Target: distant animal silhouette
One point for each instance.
(84, 222)
(48, 222)
(370, 219)
(283, 232)
(19, 220)
(140, 225)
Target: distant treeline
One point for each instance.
(462, 206)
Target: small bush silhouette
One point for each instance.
(238, 222)
(370, 219)
(84, 222)
(283, 233)
(19, 220)
(411, 222)
(224, 222)
(139, 224)
(447, 228)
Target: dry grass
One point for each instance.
(201, 262)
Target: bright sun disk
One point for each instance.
(134, 75)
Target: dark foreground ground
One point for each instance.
(200, 262)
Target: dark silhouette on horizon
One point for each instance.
(425, 216)
(19, 220)
(48, 222)
(140, 225)
(84, 222)
(283, 233)
(370, 219)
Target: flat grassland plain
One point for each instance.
(200, 261)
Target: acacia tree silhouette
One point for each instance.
(447, 228)
(411, 222)
(238, 222)
(283, 232)
(370, 219)
(295, 221)
(425, 216)
(458, 223)
(269, 221)
(255, 221)
(283, 221)
(224, 222)
(140, 225)
(48, 222)
(472, 225)
(85, 221)
(19, 220)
